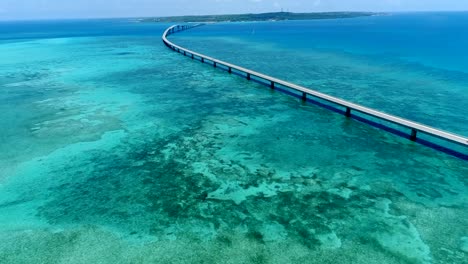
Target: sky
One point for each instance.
(55, 9)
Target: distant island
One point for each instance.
(276, 16)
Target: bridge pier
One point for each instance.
(348, 112)
(272, 85)
(202, 60)
(304, 96)
(230, 70)
(214, 64)
(414, 134)
(248, 76)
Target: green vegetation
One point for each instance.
(259, 17)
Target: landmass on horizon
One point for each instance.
(274, 16)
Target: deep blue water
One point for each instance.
(17, 30)
(435, 39)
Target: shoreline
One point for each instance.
(271, 17)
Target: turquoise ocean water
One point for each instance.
(113, 149)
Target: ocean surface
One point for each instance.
(114, 149)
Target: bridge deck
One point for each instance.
(413, 126)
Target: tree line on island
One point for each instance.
(275, 16)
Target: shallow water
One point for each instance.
(116, 150)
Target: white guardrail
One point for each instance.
(414, 127)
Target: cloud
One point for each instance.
(30, 9)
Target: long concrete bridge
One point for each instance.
(451, 143)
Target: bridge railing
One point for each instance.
(414, 128)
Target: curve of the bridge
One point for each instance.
(414, 127)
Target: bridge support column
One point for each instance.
(348, 112)
(193, 57)
(414, 134)
(272, 85)
(202, 60)
(214, 64)
(248, 76)
(230, 70)
(304, 97)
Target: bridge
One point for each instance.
(457, 145)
